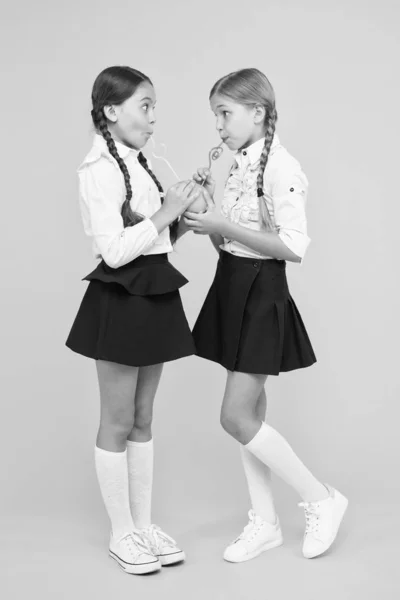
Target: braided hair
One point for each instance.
(251, 87)
(265, 217)
(128, 215)
(114, 85)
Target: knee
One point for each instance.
(143, 420)
(118, 423)
(231, 422)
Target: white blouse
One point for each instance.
(285, 191)
(101, 195)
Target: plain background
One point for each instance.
(334, 67)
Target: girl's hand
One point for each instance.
(205, 223)
(203, 175)
(180, 196)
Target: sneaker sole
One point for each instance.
(268, 546)
(172, 559)
(140, 569)
(339, 514)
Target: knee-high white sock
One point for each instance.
(258, 477)
(272, 449)
(112, 474)
(140, 469)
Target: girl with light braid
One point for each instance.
(131, 318)
(249, 322)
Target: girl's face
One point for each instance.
(132, 122)
(238, 125)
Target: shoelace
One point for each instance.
(135, 542)
(159, 537)
(312, 516)
(251, 529)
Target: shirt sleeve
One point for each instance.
(289, 194)
(101, 195)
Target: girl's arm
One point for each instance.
(216, 239)
(101, 195)
(265, 242)
(288, 193)
(289, 199)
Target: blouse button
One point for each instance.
(244, 153)
(292, 189)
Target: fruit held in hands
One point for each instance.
(198, 206)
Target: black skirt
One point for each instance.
(249, 322)
(133, 315)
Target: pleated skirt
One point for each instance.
(249, 322)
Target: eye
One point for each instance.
(145, 107)
(225, 112)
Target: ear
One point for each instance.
(110, 113)
(259, 113)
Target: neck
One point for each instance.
(253, 139)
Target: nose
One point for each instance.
(218, 124)
(152, 117)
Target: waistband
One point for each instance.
(272, 263)
(146, 275)
(140, 261)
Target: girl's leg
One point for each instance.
(258, 474)
(324, 509)
(242, 411)
(261, 406)
(238, 412)
(117, 385)
(140, 468)
(140, 446)
(117, 392)
(239, 419)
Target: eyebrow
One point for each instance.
(221, 106)
(147, 98)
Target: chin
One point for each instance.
(232, 146)
(134, 144)
(138, 144)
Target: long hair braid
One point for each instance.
(173, 229)
(269, 136)
(129, 217)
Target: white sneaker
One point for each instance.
(256, 537)
(323, 520)
(162, 546)
(132, 554)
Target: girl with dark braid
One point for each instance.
(249, 322)
(131, 318)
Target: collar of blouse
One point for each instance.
(250, 156)
(99, 148)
